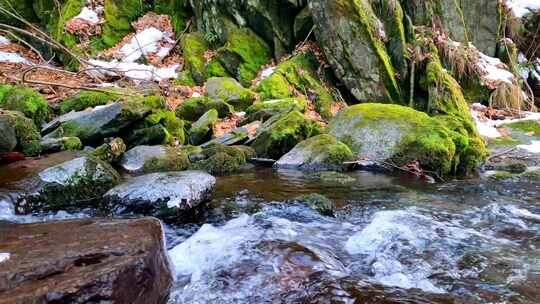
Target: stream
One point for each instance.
(393, 239)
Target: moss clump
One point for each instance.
(281, 133)
(219, 159)
(201, 130)
(527, 126)
(299, 72)
(28, 136)
(174, 160)
(172, 126)
(194, 47)
(185, 79)
(118, 17)
(32, 104)
(215, 69)
(243, 54)
(86, 99)
(111, 151)
(266, 109)
(51, 145)
(318, 202)
(505, 141)
(230, 91)
(194, 108)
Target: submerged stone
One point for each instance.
(78, 260)
(318, 202)
(170, 196)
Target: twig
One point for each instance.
(500, 154)
(20, 40)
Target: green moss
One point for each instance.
(194, 108)
(179, 10)
(118, 17)
(28, 136)
(185, 79)
(266, 109)
(299, 72)
(4, 89)
(111, 151)
(193, 48)
(201, 130)
(532, 176)
(243, 54)
(71, 143)
(56, 27)
(318, 202)
(526, 126)
(281, 133)
(173, 126)
(216, 69)
(84, 100)
(219, 159)
(21, 7)
(174, 160)
(230, 91)
(503, 142)
(323, 152)
(32, 104)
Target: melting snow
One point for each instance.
(523, 7)
(488, 128)
(4, 40)
(4, 256)
(146, 42)
(492, 69)
(12, 58)
(135, 70)
(267, 72)
(88, 15)
(534, 147)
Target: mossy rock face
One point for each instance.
(266, 109)
(51, 145)
(281, 133)
(72, 185)
(221, 160)
(159, 158)
(110, 151)
(32, 104)
(318, 202)
(84, 100)
(243, 54)
(402, 135)
(300, 73)
(8, 137)
(28, 137)
(201, 130)
(365, 44)
(118, 17)
(160, 127)
(179, 10)
(319, 153)
(194, 108)
(193, 48)
(230, 91)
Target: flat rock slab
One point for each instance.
(84, 261)
(167, 195)
(134, 160)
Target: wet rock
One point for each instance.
(193, 108)
(281, 133)
(147, 159)
(111, 151)
(319, 153)
(71, 185)
(52, 145)
(507, 166)
(318, 202)
(170, 196)
(98, 123)
(8, 137)
(84, 261)
(27, 134)
(220, 160)
(201, 130)
(230, 91)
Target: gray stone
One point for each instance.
(134, 160)
(8, 137)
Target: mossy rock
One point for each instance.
(174, 159)
(110, 151)
(319, 153)
(86, 99)
(230, 91)
(179, 10)
(318, 202)
(300, 73)
(529, 176)
(281, 133)
(23, 8)
(193, 48)
(51, 145)
(185, 78)
(530, 127)
(28, 136)
(402, 135)
(32, 104)
(201, 130)
(243, 54)
(118, 17)
(266, 109)
(220, 160)
(173, 126)
(194, 108)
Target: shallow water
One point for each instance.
(394, 239)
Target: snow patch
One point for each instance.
(89, 15)
(12, 58)
(4, 40)
(488, 127)
(521, 8)
(534, 147)
(492, 70)
(267, 72)
(146, 42)
(4, 256)
(133, 70)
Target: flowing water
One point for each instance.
(392, 240)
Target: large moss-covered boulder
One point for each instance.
(281, 133)
(266, 109)
(201, 130)
(26, 133)
(218, 159)
(364, 41)
(160, 127)
(72, 185)
(101, 122)
(299, 74)
(319, 153)
(401, 135)
(193, 108)
(230, 91)
(32, 104)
